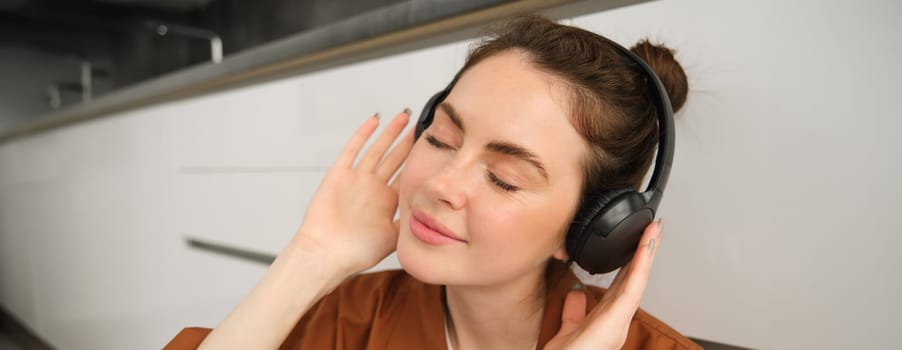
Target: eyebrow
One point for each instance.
(505, 148)
(452, 114)
(519, 152)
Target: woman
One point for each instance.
(541, 114)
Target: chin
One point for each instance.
(420, 264)
(423, 262)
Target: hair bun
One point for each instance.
(660, 59)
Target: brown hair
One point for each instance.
(611, 104)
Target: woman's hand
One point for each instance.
(607, 325)
(349, 220)
(347, 228)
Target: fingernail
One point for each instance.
(377, 116)
(577, 287)
(660, 227)
(651, 247)
(408, 112)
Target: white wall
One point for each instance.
(785, 184)
(780, 231)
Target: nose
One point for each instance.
(452, 184)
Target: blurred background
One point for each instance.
(61, 53)
(156, 154)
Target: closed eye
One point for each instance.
(436, 143)
(492, 177)
(501, 184)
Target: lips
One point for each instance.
(431, 231)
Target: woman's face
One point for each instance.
(489, 189)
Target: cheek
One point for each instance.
(530, 229)
(516, 228)
(419, 166)
(413, 173)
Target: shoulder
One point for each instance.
(378, 297)
(646, 331)
(380, 279)
(372, 290)
(362, 294)
(357, 314)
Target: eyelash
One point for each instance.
(436, 143)
(495, 180)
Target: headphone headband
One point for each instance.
(666, 132)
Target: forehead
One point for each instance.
(505, 98)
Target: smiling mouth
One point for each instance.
(430, 231)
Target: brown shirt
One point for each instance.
(393, 310)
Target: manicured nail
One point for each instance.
(651, 247)
(377, 116)
(408, 112)
(577, 287)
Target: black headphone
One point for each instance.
(606, 229)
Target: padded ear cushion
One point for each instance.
(594, 205)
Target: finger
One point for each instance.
(397, 222)
(624, 270)
(644, 245)
(395, 184)
(396, 156)
(574, 312)
(630, 288)
(375, 152)
(642, 261)
(363, 133)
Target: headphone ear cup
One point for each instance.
(606, 230)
